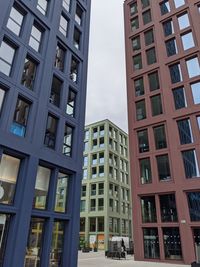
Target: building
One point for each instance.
(163, 74)
(43, 69)
(105, 196)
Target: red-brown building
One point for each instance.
(163, 81)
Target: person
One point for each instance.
(123, 245)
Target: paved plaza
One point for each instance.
(97, 259)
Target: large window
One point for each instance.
(51, 129)
(137, 62)
(56, 87)
(193, 67)
(67, 142)
(160, 137)
(140, 110)
(145, 171)
(133, 8)
(15, 20)
(20, 119)
(134, 24)
(149, 37)
(194, 205)
(168, 27)
(163, 168)
(172, 243)
(154, 83)
(77, 38)
(151, 56)
(7, 53)
(148, 206)
(171, 47)
(183, 21)
(61, 192)
(139, 87)
(196, 92)
(136, 43)
(175, 73)
(146, 16)
(41, 187)
(156, 105)
(74, 70)
(29, 72)
(143, 141)
(185, 131)
(60, 57)
(71, 101)
(179, 98)
(168, 208)
(151, 243)
(190, 163)
(34, 242)
(9, 170)
(35, 38)
(187, 40)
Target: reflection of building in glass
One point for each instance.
(43, 69)
(105, 197)
(163, 88)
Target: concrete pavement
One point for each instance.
(97, 259)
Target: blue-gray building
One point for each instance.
(43, 69)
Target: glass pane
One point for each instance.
(163, 167)
(7, 53)
(57, 244)
(15, 21)
(168, 27)
(140, 110)
(29, 72)
(151, 243)
(175, 73)
(187, 40)
(148, 207)
(172, 243)
(9, 169)
(196, 92)
(193, 67)
(41, 188)
(171, 47)
(156, 105)
(194, 205)
(4, 228)
(149, 37)
(183, 21)
(160, 137)
(168, 208)
(2, 96)
(190, 164)
(179, 98)
(61, 192)
(145, 171)
(185, 131)
(153, 81)
(34, 243)
(143, 141)
(164, 7)
(179, 3)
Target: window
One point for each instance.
(82, 205)
(133, 8)
(171, 47)
(193, 67)
(101, 130)
(134, 24)
(15, 20)
(93, 189)
(187, 40)
(94, 159)
(94, 172)
(71, 101)
(160, 137)
(85, 174)
(190, 163)
(2, 96)
(196, 92)
(100, 224)
(87, 134)
(140, 110)
(194, 205)
(143, 141)
(78, 15)
(93, 204)
(164, 7)
(67, 142)
(101, 142)
(156, 105)
(137, 62)
(7, 53)
(9, 170)
(66, 4)
(146, 17)
(34, 248)
(179, 98)
(145, 3)
(100, 204)
(101, 189)
(83, 191)
(198, 121)
(183, 21)
(85, 161)
(148, 206)
(101, 158)
(163, 167)
(74, 70)
(153, 81)
(179, 3)
(77, 38)
(35, 38)
(42, 6)
(56, 88)
(29, 73)
(60, 58)
(149, 37)
(57, 243)
(61, 192)
(41, 188)
(168, 27)
(101, 171)
(168, 208)
(50, 134)
(145, 171)
(63, 27)
(136, 43)
(175, 73)
(4, 225)
(172, 243)
(139, 87)
(185, 131)
(151, 56)
(20, 119)
(92, 224)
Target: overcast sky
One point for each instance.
(106, 91)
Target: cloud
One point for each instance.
(106, 93)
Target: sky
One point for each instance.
(106, 90)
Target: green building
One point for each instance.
(105, 196)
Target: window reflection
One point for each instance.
(61, 192)
(57, 244)
(151, 243)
